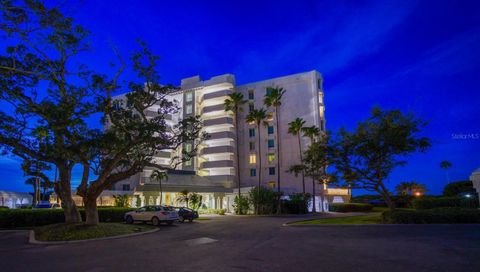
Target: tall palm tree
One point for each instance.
(311, 132)
(405, 188)
(446, 165)
(273, 98)
(234, 103)
(258, 116)
(295, 127)
(159, 176)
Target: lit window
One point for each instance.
(271, 184)
(250, 94)
(251, 132)
(189, 97)
(271, 157)
(252, 146)
(188, 163)
(188, 147)
(270, 129)
(188, 109)
(271, 171)
(253, 172)
(253, 158)
(271, 143)
(251, 107)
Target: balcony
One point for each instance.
(216, 164)
(221, 135)
(217, 150)
(218, 121)
(209, 109)
(216, 94)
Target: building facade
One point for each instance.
(212, 172)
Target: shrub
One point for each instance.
(296, 204)
(265, 198)
(404, 201)
(432, 216)
(212, 211)
(4, 207)
(350, 207)
(437, 202)
(241, 205)
(14, 218)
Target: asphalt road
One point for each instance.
(257, 244)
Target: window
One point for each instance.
(188, 147)
(322, 125)
(271, 157)
(252, 146)
(253, 158)
(250, 94)
(271, 184)
(189, 97)
(271, 143)
(189, 109)
(251, 107)
(126, 187)
(271, 171)
(269, 91)
(188, 163)
(251, 132)
(270, 117)
(253, 172)
(319, 84)
(270, 129)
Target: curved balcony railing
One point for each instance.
(216, 164)
(217, 149)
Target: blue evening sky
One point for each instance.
(419, 56)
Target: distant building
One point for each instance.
(15, 200)
(212, 171)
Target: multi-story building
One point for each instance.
(212, 172)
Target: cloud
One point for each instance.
(331, 43)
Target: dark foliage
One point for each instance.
(436, 202)
(350, 207)
(432, 216)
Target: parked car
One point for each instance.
(155, 214)
(46, 205)
(186, 214)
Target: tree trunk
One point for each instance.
(91, 212)
(238, 155)
(314, 208)
(259, 168)
(69, 208)
(35, 190)
(386, 196)
(161, 191)
(301, 161)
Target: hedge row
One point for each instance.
(350, 207)
(432, 216)
(13, 218)
(438, 202)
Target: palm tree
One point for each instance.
(446, 165)
(234, 104)
(159, 176)
(258, 116)
(273, 98)
(295, 127)
(183, 197)
(311, 132)
(410, 188)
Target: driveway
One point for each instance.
(235, 243)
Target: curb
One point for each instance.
(32, 240)
(291, 224)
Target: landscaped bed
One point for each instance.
(81, 231)
(373, 218)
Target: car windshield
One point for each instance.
(168, 208)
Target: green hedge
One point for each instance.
(14, 218)
(450, 215)
(350, 207)
(438, 202)
(212, 211)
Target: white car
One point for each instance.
(155, 214)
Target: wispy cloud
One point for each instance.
(335, 41)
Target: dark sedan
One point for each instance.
(186, 214)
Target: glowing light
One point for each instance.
(418, 194)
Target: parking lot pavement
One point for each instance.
(237, 243)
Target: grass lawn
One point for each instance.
(81, 231)
(373, 218)
(203, 219)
